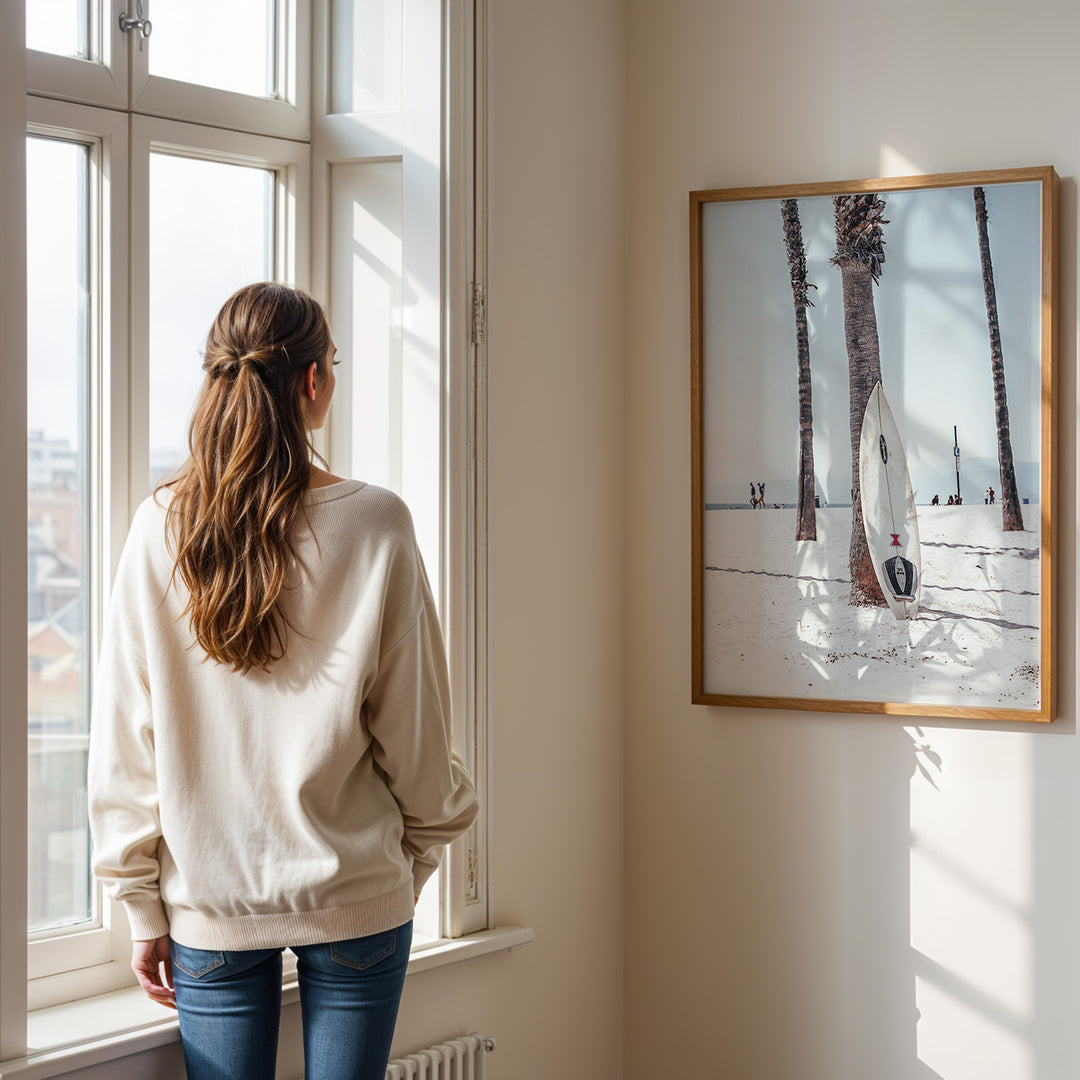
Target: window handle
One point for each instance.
(142, 24)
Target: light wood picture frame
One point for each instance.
(872, 445)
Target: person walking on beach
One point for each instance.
(990, 495)
(270, 761)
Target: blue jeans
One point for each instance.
(229, 1005)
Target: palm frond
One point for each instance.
(860, 239)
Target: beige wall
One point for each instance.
(800, 901)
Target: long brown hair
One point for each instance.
(243, 485)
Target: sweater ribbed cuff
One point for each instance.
(421, 872)
(146, 918)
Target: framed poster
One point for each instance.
(873, 445)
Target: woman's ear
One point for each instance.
(309, 380)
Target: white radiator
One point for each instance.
(456, 1059)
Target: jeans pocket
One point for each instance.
(195, 962)
(364, 952)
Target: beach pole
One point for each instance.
(956, 455)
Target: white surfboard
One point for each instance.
(888, 506)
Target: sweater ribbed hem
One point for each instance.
(281, 929)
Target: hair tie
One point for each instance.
(230, 364)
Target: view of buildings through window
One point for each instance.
(58, 273)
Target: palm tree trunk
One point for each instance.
(806, 518)
(860, 255)
(864, 373)
(1012, 519)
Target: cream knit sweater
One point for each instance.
(304, 805)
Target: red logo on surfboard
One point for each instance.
(895, 539)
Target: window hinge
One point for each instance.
(479, 313)
(473, 868)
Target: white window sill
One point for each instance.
(64, 1038)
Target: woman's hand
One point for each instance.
(148, 958)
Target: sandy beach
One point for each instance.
(778, 622)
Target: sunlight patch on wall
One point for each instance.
(894, 163)
(971, 901)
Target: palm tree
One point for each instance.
(1012, 519)
(806, 519)
(860, 253)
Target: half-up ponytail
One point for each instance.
(238, 494)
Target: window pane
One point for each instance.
(58, 499)
(211, 231)
(58, 26)
(228, 46)
(365, 55)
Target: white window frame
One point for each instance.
(470, 903)
(116, 75)
(101, 79)
(287, 116)
(106, 133)
(120, 134)
(13, 607)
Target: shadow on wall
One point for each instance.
(905, 915)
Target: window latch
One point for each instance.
(142, 24)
